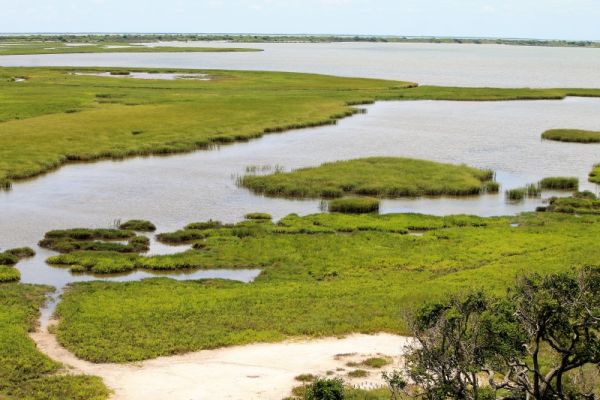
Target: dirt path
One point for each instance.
(258, 371)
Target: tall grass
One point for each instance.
(595, 174)
(560, 183)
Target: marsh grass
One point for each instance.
(358, 373)
(572, 135)
(560, 183)
(323, 275)
(69, 240)
(354, 205)
(182, 236)
(376, 176)
(258, 216)
(518, 194)
(377, 362)
(580, 203)
(138, 225)
(26, 373)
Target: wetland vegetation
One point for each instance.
(54, 117)
(572, 135)
(26, 373)
(376, 176)
(324, 274)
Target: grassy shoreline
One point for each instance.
(26, 373)
(72, 118)
(325, 274)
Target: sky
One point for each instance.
(545, 19)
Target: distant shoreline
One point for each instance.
(279, 38)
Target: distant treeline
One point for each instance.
(246, 38)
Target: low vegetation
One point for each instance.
(560, 183)
(377, 362)
(572, 135)
(70, 240)
(580, 203)
(376, 176)
(138, 225)
(25, 373)
(595, 174)
(354, 205)
(8, 259)
(258, 216)
(324, 274)
(51, 116)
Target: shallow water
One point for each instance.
(439, 64)
(176, 190)
(147, 75)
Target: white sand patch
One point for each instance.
(258, 371)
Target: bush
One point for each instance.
(354, 205)
(326, 389)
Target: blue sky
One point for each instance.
(568, 19)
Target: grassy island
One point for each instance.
(595, 174)
(324, 274)
(572, 135)
(51, 116)
(376, 176)
(25, 373)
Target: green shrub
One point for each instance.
(354, 205)
(326, 389)
(377, 362)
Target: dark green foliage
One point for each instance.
(354, 205)
(376, 176)
(67, 244)
(595, 174)
(138, 225)
(572, 135)
(560, 183)
(326, 389)
(21, 252)
(8, 259)
(200, 226)
(89, 234)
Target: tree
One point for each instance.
(535, 343)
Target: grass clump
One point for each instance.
(572, 135)
(377, 362)
(595, 174)
(518, 194)
(136, 244)
(376, 176)
(306, 378)
(258, 216)
(138, 225)
(354, 205)
(560, 183)
(25, 373)
(358, 373)
(9, 274)
(182, 236)
(580, 203)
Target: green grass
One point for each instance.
(377, 362)
(258, 216)
(49, 46)
(25, 373)
(376, 176)
(354, 205)
(572, 135)
(8, 259)
(560, 183)
(358, 373)
(595, 174)
(70, 240)
(55, 117)
(325, 274)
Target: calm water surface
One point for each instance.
(173, 191)
(439, 64)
